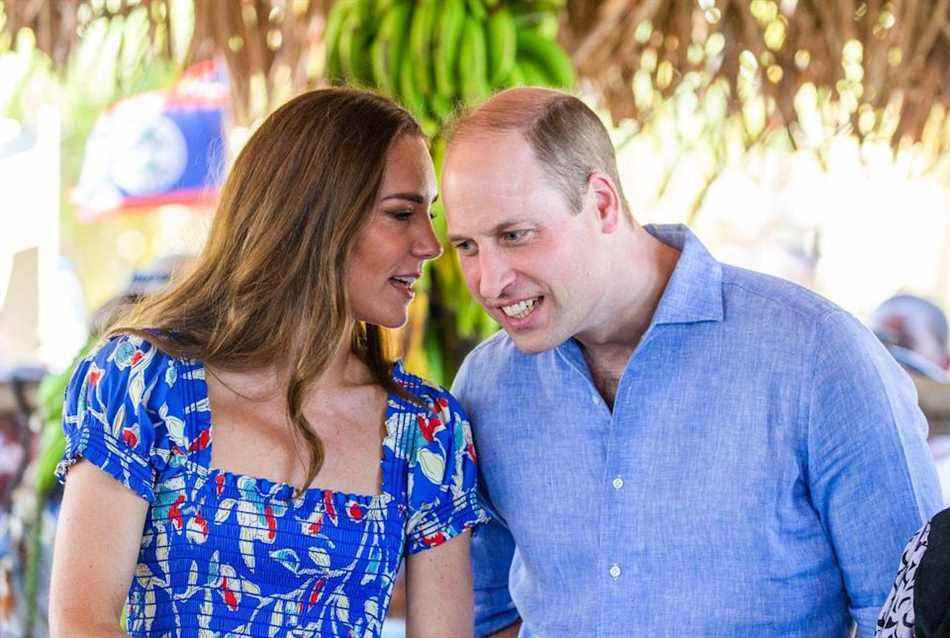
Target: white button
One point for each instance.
(617, 482)
(615, 571)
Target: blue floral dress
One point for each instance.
(224, 554)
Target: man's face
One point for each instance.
(527, 258)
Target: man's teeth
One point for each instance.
(521, 309)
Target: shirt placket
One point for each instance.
(615, 567)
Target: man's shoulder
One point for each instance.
(753, 291)
(783, 308)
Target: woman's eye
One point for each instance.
(400, 215)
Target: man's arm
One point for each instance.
(495, 613)
(871, 476)
(492, 544)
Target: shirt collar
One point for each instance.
(694, 291)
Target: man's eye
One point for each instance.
(464, 246)
(514, 235)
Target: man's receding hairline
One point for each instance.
(519, 109)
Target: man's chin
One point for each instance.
(532, 344)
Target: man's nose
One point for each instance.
(494, 275)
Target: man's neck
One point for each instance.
(608, 348)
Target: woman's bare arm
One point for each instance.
(439, 591)
(97, 545)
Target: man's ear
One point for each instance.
(607, 204)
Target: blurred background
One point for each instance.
(810, 140)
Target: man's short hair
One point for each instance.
(566, 136)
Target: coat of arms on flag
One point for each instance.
(160, 147)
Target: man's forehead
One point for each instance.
(483, 144)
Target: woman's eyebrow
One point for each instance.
(411, 197)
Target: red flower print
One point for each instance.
(435, 540)
(229, 596)
(470, 448)
(429, 426)
(328, 505)
(94, 377)
(202, 524)
(315, 526)
(174, 512)
(219, 483)
(356, 512)
(201, 442)
(271, 523)
(136, 357)
(130, 436)
(315, 593)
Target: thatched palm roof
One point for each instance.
(867, 56)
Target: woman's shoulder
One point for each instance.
(436, 398)
(125, 410)
(130, 366)
(130, 352)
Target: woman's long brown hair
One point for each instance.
(268, 288)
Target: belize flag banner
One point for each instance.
(160, 147)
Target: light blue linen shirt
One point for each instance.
(764, 464)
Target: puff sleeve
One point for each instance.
(443, 491)
(115, 413)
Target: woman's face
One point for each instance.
(388, 254)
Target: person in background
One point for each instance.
(919, 602)
(914, 330)
(243, 457)
(673, 446)
(40, 494)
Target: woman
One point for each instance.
(221, 404)
(919, 603)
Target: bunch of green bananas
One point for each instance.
(432, 55)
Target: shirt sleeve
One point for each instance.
(492, 552)
(443, 484)
(108, 413)
(871, 475)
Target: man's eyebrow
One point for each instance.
(411, 197)
(499, 228)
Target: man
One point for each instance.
(673, 446)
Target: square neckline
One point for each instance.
(269, 488)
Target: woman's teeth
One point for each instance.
(521, 309)
(405, 281)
